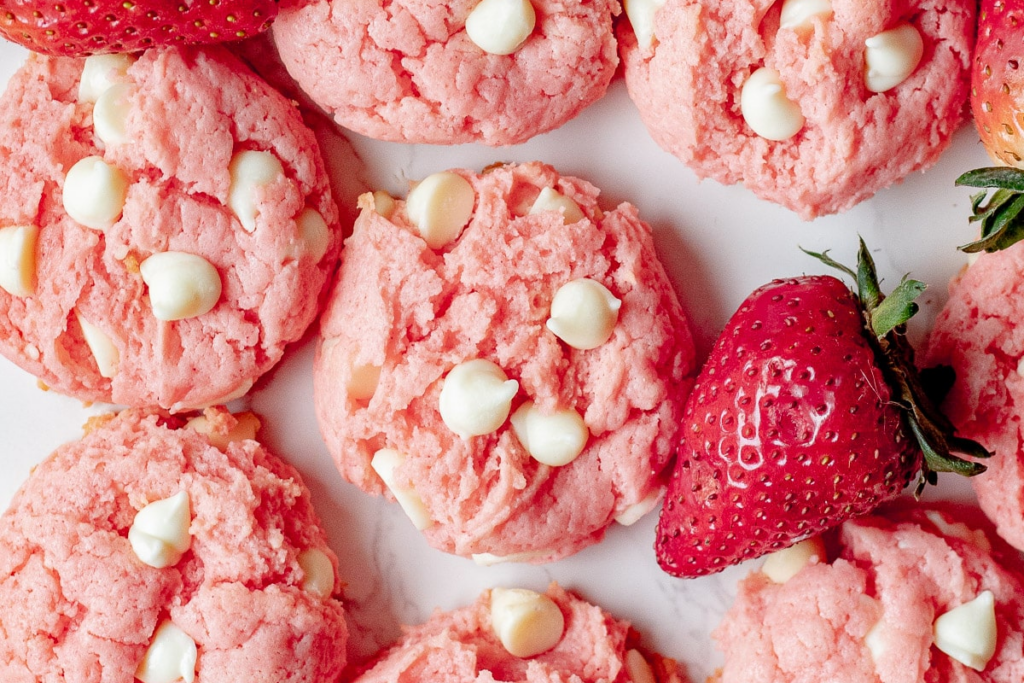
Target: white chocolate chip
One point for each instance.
(476, 398)
(362, 381)
(633, 514)
(583, 313)
(554, 439)
(968, 633)
(319, 572)
(314, 232)
(490, 559)
(110, 115)
(384, 463)
(877, 641)
(94, 193)
(100, 72)
(782, 565)
(798, 14)
(500, 27)
(440, 206)
(180, 285)
(383, 204)
(959, 530)
(236, 393)
(527, 623)
(160, 533)
(891, 57)
(766, 109)
(550, 200)
(245, 428)
(641, 17)
(18, 259)
(638, 669)
(250, 170)
(104, 352)
(171, 656)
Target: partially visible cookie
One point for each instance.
(521, 636)
(918, 594)
(160, 550)
(507, 359)
(980, 335)
(166, 226)
(491, 71)
(813, 105)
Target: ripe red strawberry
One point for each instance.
(83, 27)
(800, 418)
(997, 80)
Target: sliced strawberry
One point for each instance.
(83, 27)
(807, 412)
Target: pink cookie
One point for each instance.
(687, 63)
(873, 613)
(91, 192)
(403, 316)
(463, 646)
(410, 71)
(980, 334)
(252, 590)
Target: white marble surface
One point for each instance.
(718, 244)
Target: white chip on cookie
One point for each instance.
(171, 657)
(527, 623)
(766, 109)
(891, 56)
(476, 398)
(250, 170)
(583, 313)
(551, 200)
(180, 285)
(102, 347)
(440, 206)
(95, 192)
(384, 463)
(100, 72)
(319, 572)
(159, 535)
(18, 259)
(500, 27)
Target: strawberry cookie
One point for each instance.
(506, 359)
(978, 334)
(521, 636)
(916, 595)
(812, 104)
(167, 551)
(161, 219)
(491, 71)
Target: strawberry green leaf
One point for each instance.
(897, 308)
(868, 289)
(1003, 177)
(999, 212)
(829, 261)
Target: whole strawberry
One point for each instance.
(806, 413)
(79, 27)
(997, 80)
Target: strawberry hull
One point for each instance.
(790, 429)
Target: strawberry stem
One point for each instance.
(999, 211)
(886, 318)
